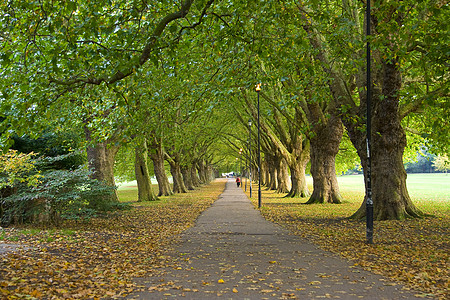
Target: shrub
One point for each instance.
(17, 168)
(59, 194)
(51, 144)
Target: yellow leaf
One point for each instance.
(235, 290)
(36, 293)
(220, 281)
(4, 292)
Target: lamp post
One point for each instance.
(250, 154)
(240, 162)
(369, 201)
(258, 89)
(246, 168)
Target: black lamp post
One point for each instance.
(258, 89)
(240, 162)
(246, 168)
(369, 201)
(250, 154)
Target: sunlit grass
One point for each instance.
(128, 195)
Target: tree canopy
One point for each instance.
(177, 78)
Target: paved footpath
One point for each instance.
(234, 253)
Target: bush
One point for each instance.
(17, 168)
(51, 144)
(60, 194)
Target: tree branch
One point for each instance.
(145, 56)
(415, 105)
(210, 2)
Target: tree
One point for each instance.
(391, 22)
(324, 131)
(53, 49)
(293, 146)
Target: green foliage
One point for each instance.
(59, 194)
(50, 144)
(51, 49)
(17, 168)
(347, 158)
(124, 164)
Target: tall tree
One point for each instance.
(293, 146)
(390, 22)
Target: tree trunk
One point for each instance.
(272, 171)
(282, 176)
(178, 183)
(144, 183)
(101, 159)
(264, 173)
(194, 176)
(187, 177)
(297, 164)
(175, 170)
(324, 148)
(202, 171)
(390, 195)
(157, 156)
(298, 178)
(211, 173)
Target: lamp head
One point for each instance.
(258, 87)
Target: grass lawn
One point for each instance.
(430, 192)
(415, 252)
(434, 187)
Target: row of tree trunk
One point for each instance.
(101, 157)
(293, 150)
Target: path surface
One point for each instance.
(6, 248)
(233, 253)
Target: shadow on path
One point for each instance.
(234, 253)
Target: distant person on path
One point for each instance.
(238, 181)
